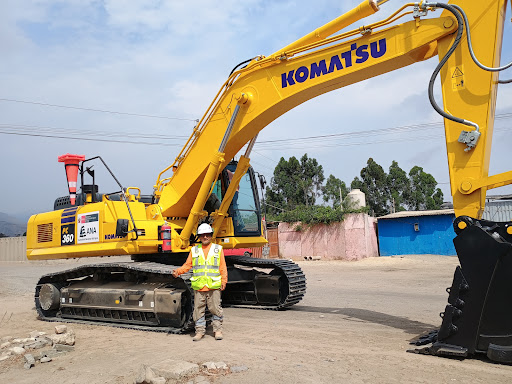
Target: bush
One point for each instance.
(317, 214)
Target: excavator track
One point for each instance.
(283, 287)
(292, 282)
(148, 269)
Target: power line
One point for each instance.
(89, 139)
(295, 143)
(371, 132)
(64, 131)
(97, 110)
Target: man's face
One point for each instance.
(205, 238)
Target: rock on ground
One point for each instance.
(67, 338)
(212, 366)
(147, 376)
(29, 361)
(36, 334)
(175, 369)
(60, 329)
(239, 368)
(17, 350)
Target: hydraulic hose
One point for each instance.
(470, 46)
(242, 63)
(443, 61)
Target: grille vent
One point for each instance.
(45, 233)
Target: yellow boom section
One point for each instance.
(269, 87)
(470, 92)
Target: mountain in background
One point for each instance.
(11, 226)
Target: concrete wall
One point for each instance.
(13, 249)
(353, 239)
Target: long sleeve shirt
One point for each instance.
(222, 266)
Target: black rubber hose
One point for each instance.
(242, 63)
(470, 46)
(443, 61)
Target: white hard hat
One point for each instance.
(204, 228)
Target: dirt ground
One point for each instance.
(353, 326)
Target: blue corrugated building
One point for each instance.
(417, 232)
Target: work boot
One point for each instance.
(198, 336)
(218, 335)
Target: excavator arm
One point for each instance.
(268, 87)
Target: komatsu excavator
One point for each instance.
(158, 230)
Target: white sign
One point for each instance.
(88, 227)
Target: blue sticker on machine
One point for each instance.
(67, 221)
(68, 215)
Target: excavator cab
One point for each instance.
(245, 206)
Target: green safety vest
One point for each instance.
(206, 272)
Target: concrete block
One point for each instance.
(175, 369)
(29, 361)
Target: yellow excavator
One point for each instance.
(202, 184)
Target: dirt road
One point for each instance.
(353, 326)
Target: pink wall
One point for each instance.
(353, 239)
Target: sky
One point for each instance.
(126, 80)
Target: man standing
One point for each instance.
(209, 278)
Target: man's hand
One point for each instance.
(223, 286)
(174, 274)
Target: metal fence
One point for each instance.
(13, 249)
(498, 210)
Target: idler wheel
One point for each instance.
(49, 297)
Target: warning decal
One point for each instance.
(457, 73)
(458, 83)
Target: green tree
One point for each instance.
(311, 179)
(398, 187)
(373, 183)
(416, 191)
(332, 190)
(295, 183)
(423, 193)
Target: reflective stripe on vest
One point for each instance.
(206, 272)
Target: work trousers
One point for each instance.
(210, 299)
